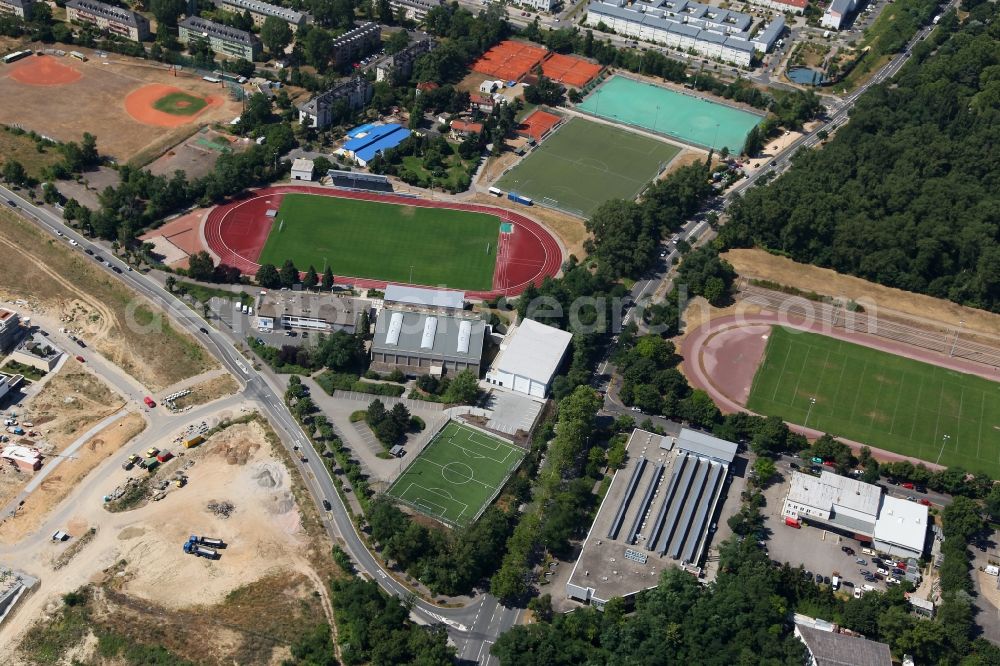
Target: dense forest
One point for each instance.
(906, 193)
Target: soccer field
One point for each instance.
(886, 401)
(582, 164)
(368, 239)
(459, 472)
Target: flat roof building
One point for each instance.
(829, 648)
(37, 352)
(529, 357)
(222, 39)
(415, 10)
(302, 169)
(116, 20)
(362, 147)
(420, 342)
(301, 310)
(22, 458)
(445, 300)
(261, 10)
(398, 67)
(656, 514)
(784, 6)
(353, 93)
(836, 14)
(356, 43)
(895, 526)
(10, 329)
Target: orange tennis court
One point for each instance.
(509, 60)
(570, 71)
(538, 123)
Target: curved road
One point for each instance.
(472, 628)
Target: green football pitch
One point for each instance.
(880, 399)
(459, 472)
(380, 241)
(583, 164)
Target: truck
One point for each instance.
(517, 198)
(150, 464)
(194, 441)
(15, 430)
(194, 548)
(149, 402)
(936, 19)
(208, 541)
(164, 456)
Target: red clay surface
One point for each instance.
(569, 70)
(537, 124)
(236, 233)
(509, 60)
(42, 70)
(139, 105)
(721, 358)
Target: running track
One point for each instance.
(236, 232)
(692, 349)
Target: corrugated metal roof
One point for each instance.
(706, 445)
(436, 298)
(413, 332)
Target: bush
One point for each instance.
(417, 424)
(359, 415)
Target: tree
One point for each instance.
(201, 267)
(764, 469)
(170, 283)
(268, 276)
(14, 173)
(622, 239)
(397, 41)
(463, 389)
(289, 274)
(167, 11)
(311, 279)
(327, 279)
(275, 34)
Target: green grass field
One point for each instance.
(457, 474)
(583, 164)
(367, 239)
(180, 104)
(886, 401)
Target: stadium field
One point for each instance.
(396, 243)
(583, 164)
(180, 104)
(459, 472)
(886, 401)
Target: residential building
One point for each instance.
(783, 6)
(115, 20)
(398, 67)
(222, 39)
(461, 129)
(302, 169)
(658, 512)
(529, 357)
(362, 147)
(837, 13)
(921, 606)
(18, 8)
(417, 342)
(431, 300)
(356, 43)
(681, 24)
(858, 510)
(415, 10)
(37, 352)
(318, 111)
(10, 329)
(307, 311)
(540, 5)
(22, 458)
(8, 383)
(830, 648)
(482, 103)
(765, 38)
(261, 10)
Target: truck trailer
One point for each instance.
(208, 541)
(517, 198)
(194, 441)
(194, 548)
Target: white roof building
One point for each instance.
(529, 358)
(302, 169)
(438, 299)
(896, 526)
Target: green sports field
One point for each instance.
(180, 104)
(883, 400)
(367, 239)
(583, 164)
(459, 472)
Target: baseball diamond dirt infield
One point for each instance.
(165, 106)
(725, 357)
(42, 70)
(237, 232)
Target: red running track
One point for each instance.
(236, 233)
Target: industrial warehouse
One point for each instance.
(858, 510)
(657, 513)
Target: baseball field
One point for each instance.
(887, 401)
(459, 472)
(395, 243)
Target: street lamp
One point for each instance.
(812, 401)
(954, 342)
(944, 441)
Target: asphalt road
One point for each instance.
(472, 628)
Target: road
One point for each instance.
(472, 628)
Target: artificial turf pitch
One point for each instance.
(380, 241)
(457, 474)
(583, 164)
(180, 104)
(886, 401)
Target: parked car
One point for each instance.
(151, 452)
(865, 572)
(925, 501)
(862, 561)
(326, 504)
(826, 580)
(880, 570)
(81, 359)
(819, 578)
(848, 550)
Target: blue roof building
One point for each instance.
(367, 141)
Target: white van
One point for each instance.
(835, 582)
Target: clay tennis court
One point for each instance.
(570, 71)
(140, 105)
(537, 124)
(509, 60)
(236, 234)
(62, 98)
(41, 70)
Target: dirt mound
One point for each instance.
(238, 444)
